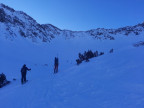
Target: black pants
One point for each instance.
(23, 79)
(56, 68)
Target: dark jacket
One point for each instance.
(56, 61)
(24, 69)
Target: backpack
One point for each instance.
(56, 61)
(22, 70)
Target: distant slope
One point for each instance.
(17, 24)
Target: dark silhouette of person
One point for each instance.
(24, 70)
(2, 78)
(56, 63)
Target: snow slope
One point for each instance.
(109, 81)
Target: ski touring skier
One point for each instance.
(24, 70)
(3, 80)
(56, 63)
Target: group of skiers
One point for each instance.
(24, 70)
(82, 57)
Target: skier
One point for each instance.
(2, 78)
(24, 70)
(56, 63)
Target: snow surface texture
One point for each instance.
(110, 81)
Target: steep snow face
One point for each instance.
(17, 24)
(14, 24)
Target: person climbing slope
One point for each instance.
(56, 63)
(24, 70)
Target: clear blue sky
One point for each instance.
(82, 14)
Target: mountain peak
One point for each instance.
(6, 7)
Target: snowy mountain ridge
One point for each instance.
(16, 24)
